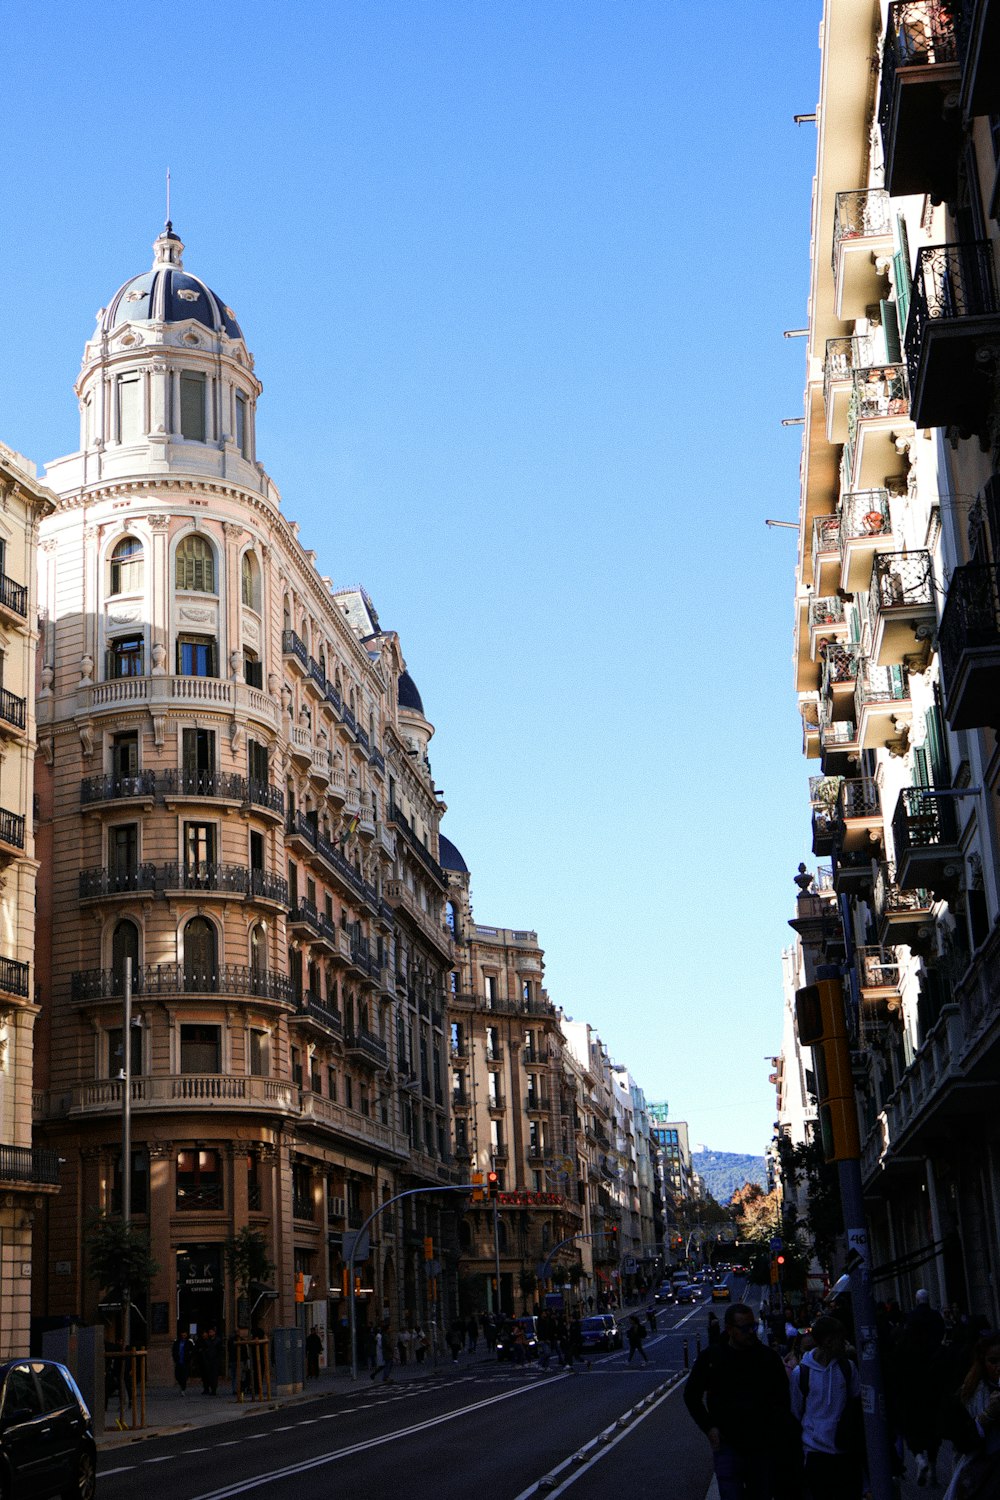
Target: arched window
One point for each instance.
(126, 566)
(124, 944)
(258, 949)
(200, 957)
(194, 564)
(250, 581)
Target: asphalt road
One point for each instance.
(490, 1430)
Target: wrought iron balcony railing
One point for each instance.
(860, 214)
(923, 821)
(224, 785)
(113, 788)
(902, 584)
(863, 513)
(918, 34)
(102, 881)
(14, 977)
(892, 900)
(826, 612)
(841, 664)
(13, 710)
(27, 1164)
(971, 617)
(881, 685)
(360, 1040)
(11, 829)
(399, 818)
(14, 596)
(181, 979)
(221, 785)
(859, 798)
(826, 539)
(878, 968)
(293, 645)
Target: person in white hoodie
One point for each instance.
(821, 1386)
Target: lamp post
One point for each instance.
(127, 1136)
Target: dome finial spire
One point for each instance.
(167, 247)
(169, 226)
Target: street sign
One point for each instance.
(630, 1266)
(356, 1241)
(776, 1245)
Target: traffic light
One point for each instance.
(822, 1025)
(492, 1185)
(780, 1259)
(612, 1238)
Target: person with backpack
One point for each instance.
(826, 1401)
(738, 1394)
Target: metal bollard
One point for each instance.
(687, 1362)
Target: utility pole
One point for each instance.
(127, 1138)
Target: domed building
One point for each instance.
(232, 811)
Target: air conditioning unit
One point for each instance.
(336, 1207)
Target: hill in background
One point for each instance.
(726, 1171)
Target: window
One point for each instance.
(20, 1392)
(199, 965)
(116, 1058)
(192, 406)
(199, 850)
(492, 992)
(129, 408)
(201, 1048)
(258, 949)
(256, 850)
(258, 762)
(197, 759)
(197, 656)
(199, 1179)
(126, 566)
(253, 668)
(123, 851)
(258, 1054)
(194, 565)
(125, 754)
(242, 427)
(124, 657)
(124, 945)
(250, 581)
(494, 1090)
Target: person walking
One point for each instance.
(314, 1348)
(209, 1359)
(456, 1337)
(651, 1317)
(636, 1335)
(180, 1352)
(824, 1385)
(918, 1368)
(738, 1395)
(973, 1423)
(472, 1331)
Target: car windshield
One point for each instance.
(593, 1323)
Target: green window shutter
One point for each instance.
(921, 769)
(890, 327)
(901, 273)
(937, 747)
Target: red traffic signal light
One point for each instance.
(780, 1260)
(492, 1184)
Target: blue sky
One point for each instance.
(515, 277)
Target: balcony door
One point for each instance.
(124, 945)
(200, 957)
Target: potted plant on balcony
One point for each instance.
(874, 522)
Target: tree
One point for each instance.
(248, 1262)
(119, 1259)
(757, 1213)
(824, 1219)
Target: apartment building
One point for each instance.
(512, 1112)
(897, 615)
(28, 1177)
(235, 803)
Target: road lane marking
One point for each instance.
(599, 1451)
(291, 1470)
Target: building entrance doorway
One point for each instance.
(200, 1289)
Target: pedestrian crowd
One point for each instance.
(781, 1404)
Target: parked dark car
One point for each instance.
(506, 1340)
(600, 1332)
(46, 1433)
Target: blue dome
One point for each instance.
(407, 695)
(449, 857)
(169, 294)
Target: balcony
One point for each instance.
(882, 705)
(878, 414)
(822, 796)
(211, 879)
(841, 664)
(537, 1104)
(809, 710)
(300, 744)
(901, 606)
(837, 366)
(14, 977)
(423, 854)
(953, 326)
(862, 238)
(13, 598)
(97, 789)
(28, 1166)
(838, 746)
(203, 786)
(925, 837)
(827, 622)
(100, 882)
(293, 649)
(265, 798)
(865, 531)
(904, 916)
(826, 554)
(853, 872)
(303, 919)
(13, 713)
(364, 1047)
(154, 980)
(878, 974)
(969, 641)
(400, 897)
(209, 1091)
(319, 770)
(920, 75)
(11, 834)
(979, 25)
(859, 815)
